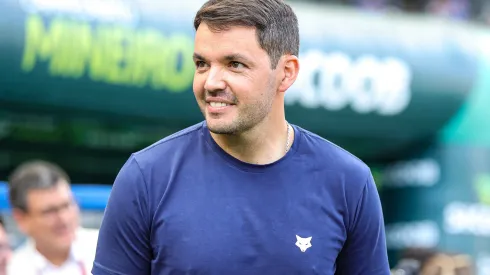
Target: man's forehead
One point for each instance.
(226, 55)
(230, 41)
(62, 189)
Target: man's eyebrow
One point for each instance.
(237, 57)
(197, 56)
(229, 57)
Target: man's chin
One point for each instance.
(220, 127)
(65, 240)
(221, 131)
(64, 245)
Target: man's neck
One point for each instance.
(264, 144)
(57, 258)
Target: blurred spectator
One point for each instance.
(45, 210)
(5, 251)
(474, 10)
(432, 262)
(457, 9)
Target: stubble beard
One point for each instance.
(247, 117)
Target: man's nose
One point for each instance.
(215, 80)
(66, 213)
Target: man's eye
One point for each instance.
(236, 65)
(200, 64)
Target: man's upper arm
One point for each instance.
(365, 249)
(123, 245)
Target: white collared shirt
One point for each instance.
(26, 260)
(71, 266)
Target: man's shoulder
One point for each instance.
(170, 144)
(85, 245)
(20, 256)
(87, 236)
(345, 171)
(330, 153)
(22, 250)
(174, 141)
(352, 173)
(166, 151)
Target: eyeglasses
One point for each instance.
(54, 210)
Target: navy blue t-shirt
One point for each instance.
(185, 206)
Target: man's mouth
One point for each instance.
(218, 104)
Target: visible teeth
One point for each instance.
(218, 104)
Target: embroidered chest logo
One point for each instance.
(303, 243)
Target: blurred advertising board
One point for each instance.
(365, 82)
(439, 200)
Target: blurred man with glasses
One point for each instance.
(45, 210)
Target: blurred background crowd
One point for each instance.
(402, 84)
(475, 10)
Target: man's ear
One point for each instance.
(290, 66)
(20, 218)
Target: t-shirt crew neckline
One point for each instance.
(249, 167)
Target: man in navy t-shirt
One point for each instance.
(243, 192)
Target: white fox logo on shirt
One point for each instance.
(303, 243)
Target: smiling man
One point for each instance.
(46, 212)
(243, 192)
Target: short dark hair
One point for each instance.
(33, 175)
(275, 22)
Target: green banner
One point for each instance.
(377, 87)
